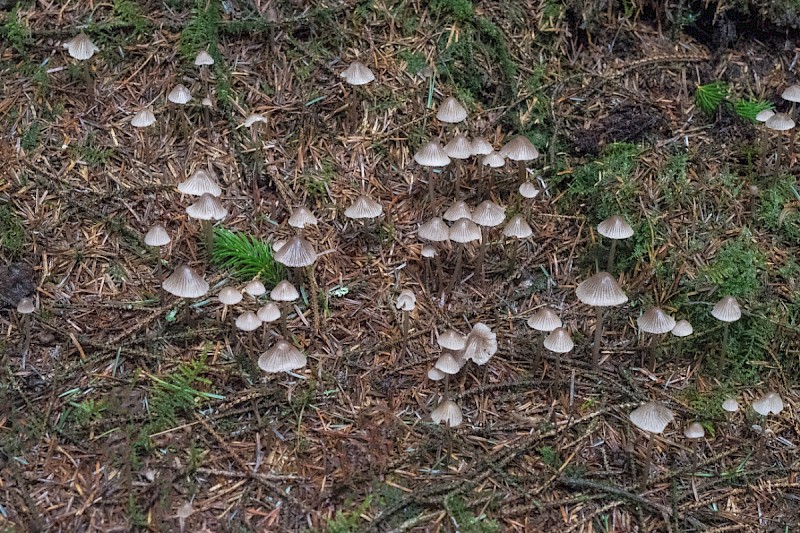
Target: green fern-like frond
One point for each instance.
(245, 256)
(750, 108)
(710, 96)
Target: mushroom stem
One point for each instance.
(648, 459)
(449, 433)
(762, 161)
(611, 253)
(512, 258)
(313, 290)
(25, 326)
(654, 345)
(723, 354)
(522, 171)
(598, 335)
(284, 311)
(207, 228)
(439, 271)
(431, 186)
(88, 80)
(405, 331)
(778, 147)
(482, 252)
(352, 113)
(459, 261)
(455, 172)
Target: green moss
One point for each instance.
(467, 521)
(12, 232)
(777, 212)
(30, 139)
(460, 10)
(16, 30)
(414, 61)
(349, 521)
(737, 269)
(129, 14)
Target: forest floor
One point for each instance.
(124, 415)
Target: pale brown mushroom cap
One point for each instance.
(727, 310)
(432, 155)
(203, 58)
(656, 321)
(282, 357)
(791, 93)
(185, 283)
(434, 374)
(764, 115)
(255, 288)
(458, 210)
(451, 111)
(488, 214)
(769, 404)
(428, 251)
(695, 430)
(652, 417)
(545, 319)
(459, 147)
(449, 413)
(601, 290)
(297, 252)
(559, 341)
(248, 321)
(157, 236)
(520, 148)
(229, 296)
(449, 363)
(528, 190)
(357, 74)
(518, 228)
(683, 328)
(434, 230)
(143, 118)
(406, 300)
(200, 183)
(364, 207)
(480, 146)
(302, 217)
(253, 119)
(493, 160)
(25, 306)
(180, 95)
(81, 47)
(207, 207)
(452, 340)
(464, 230)
(269, 312)
(779, 122)
(284, 292)
(481, 344)
(730, 405)
(615, 227)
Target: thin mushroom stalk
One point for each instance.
(762, 162)
(655, 344)
(522, 171)
(431, 186)
(598, 336)
(313, 290)
(207, 227)
(482, 252)
(723, 354)
(405, 329)
(611, 253)
(459, 262)
(648, 460)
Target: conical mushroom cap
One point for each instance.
(519, 149)
(180, 95)
(544, 320)
(432, 155)
(207, 207)
(601, 290)
(284, 292)
(255, 288)
(297, 252)
(615, 227)
(452, 340)
(448, 363)
(730, 405)
(694, 430)
(253, 119)
(302, 217)
(480, 146)
(434, 374)
(434, 230)
(779, 122)
(447, 412)
(157, 236)
(727, 310)
(683, 328)
(493, 160)
(489, 214)
(199, 183)
(791, 93)
(203, 58)
(655, 321)
(456, 211)
(229, 296)
(518, 228)
(282, 357)
(464, 230)
(248, 321)
(652, 417)
(143, 118)
(364, 207)
(406, 300)
(269, 312)
(25, 306)
(559, 341)
(357, 74)
(185, 283)
(528, 190)
(764, 115)
(81, 47)
(458, 148)
(769, 404)
(481, 344)
(451, 111)
(428, 251)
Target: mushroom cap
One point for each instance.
(364, 207)
(434, 374)
(434, 230)
(253, 119)
(284, 292)
(464, 230)
(277, 245)
(764, 115)
(449, 363)
(406, 300)
(655, 321)
(694, 430)
(428, 251)
(730, 405)
(207, 102)
(25, 306)
(458, 210)
(481, 344)
(615, 227)
(488, 214)
(459, 147)
(269, 312)
(769, 404)
(203, 58)
(157, 236)
(357, 74)
(518, 227)
(545, 319)
(493, 160)
(447, 412)
(432, 155)
(255, 288)
(480, 146)
(199, 183)
(81, 47)
(281, 357)
(791, 93)
(683, 328)
(180, 95)
(248, 321)
(559, 341)
(185, 283)
(452, 340)
(520, 148)
(727, 310)
(297, 252)
(207, 207)
(451, 111)
(143, 118)
(229, 296)
(528, 190)
(302, 217)
(601, 290)
(652, 417)
(779, 122)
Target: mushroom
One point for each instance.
(791, 94)
(521, 150)
(268, 313)
(248, 322)
(255, 289)
(200, 183)
(207, 209)
(615, 228)
(228, 296)
(436, 231)
(769, 404)
(487, 215)
(355, 75)
(282, 357)
(600, 291)
(180, 96)
(519, 229)
(683, 328)
(284, 293)
(545, 320)
(302, 217)
(451, 111)
(452, 359)
(448, 413)
(559, 341)
(656, 322)
(25, 307)
(157, 237)
(695, 433)
(142, 120)
(184, 282)
(431, 155)
(203, 60)
(652, 418)
(406, 302)
(763, 116)
(82, 48)
(726, 311)
(459, 148)
(364, 208)
(462, 231)
(492, 160)
(779, 122)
